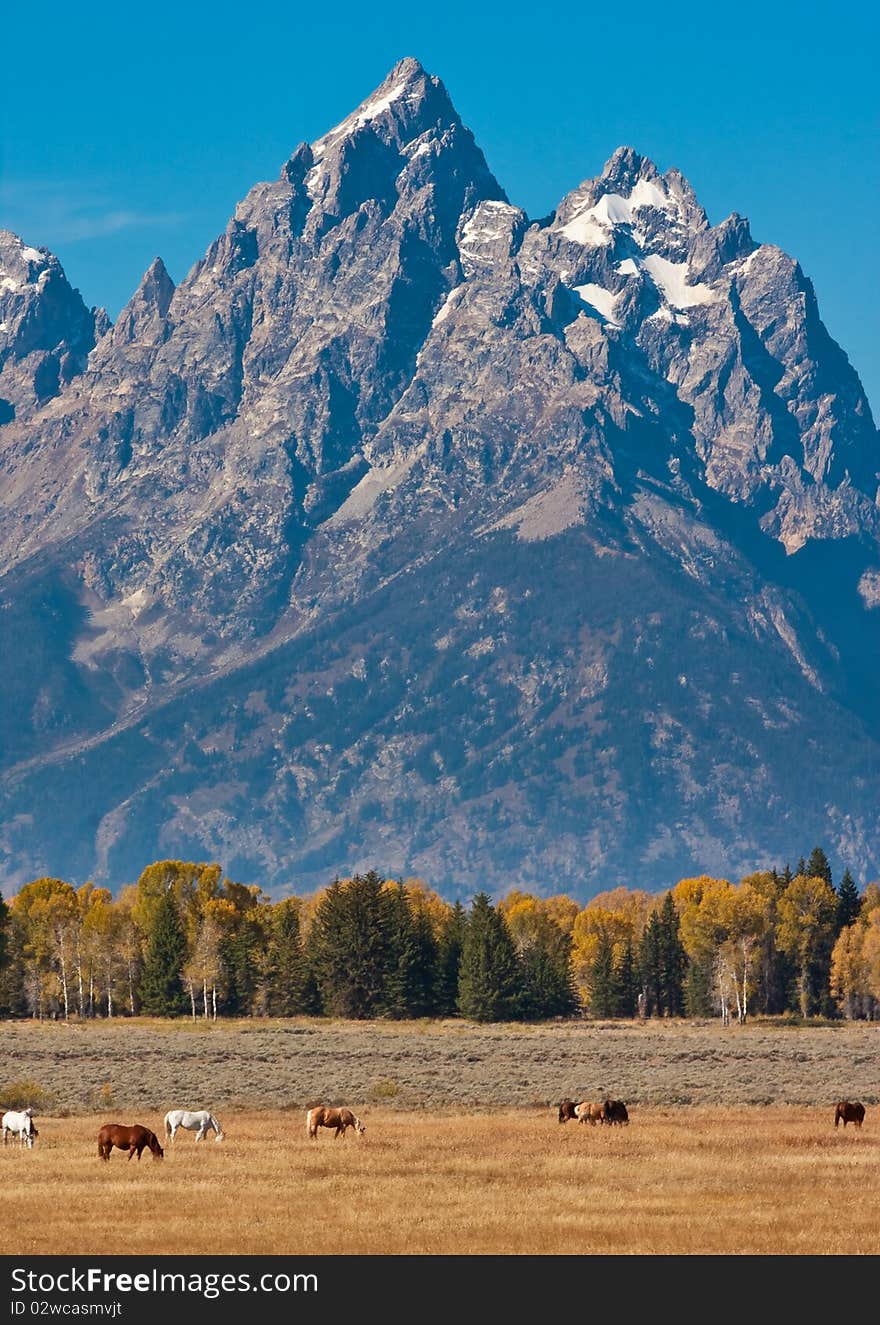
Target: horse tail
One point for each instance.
(167, 1125)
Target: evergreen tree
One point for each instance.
(286, 972)
(243, 955)
(161, 989)
(547, 983)
(801, 866)
(350, 947)
(412, 959)
(602, 985)
(817, 867)
(849, 902)
(489, 975)
(625, 992)
(673, 960)
(787, 876)
(698, 991)
(651, 966)
(449, 962)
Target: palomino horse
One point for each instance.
(20, 1125)
(585, 1112)
(323, 1116)
(847, 1111)
(200, 1121)
(133, 1139)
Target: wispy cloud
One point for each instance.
(76, 227)
(59, 213)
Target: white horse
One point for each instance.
(20, 1125)
(200, 1122)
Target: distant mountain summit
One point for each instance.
(46, 331)
(409, 532)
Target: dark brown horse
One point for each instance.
(566, 1111)
(849, 1112)
(615, 1112)
(133, 1139)
(324, 1116)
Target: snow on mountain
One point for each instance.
(388, 535)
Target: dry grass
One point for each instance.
(687, 1180)
(731, 1147)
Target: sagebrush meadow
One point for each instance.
(731, 1144)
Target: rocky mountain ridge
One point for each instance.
(407, 531)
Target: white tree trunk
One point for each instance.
(64, 989)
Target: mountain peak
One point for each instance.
(19, 261)
(407, 103)
(46, 331)
(143, 316)
(625, 167)
(407, 68)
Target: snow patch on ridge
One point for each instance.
(592, 225)
(671, 279)
(599, 298)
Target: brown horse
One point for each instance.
(324, 1116)
(566, 1111)
(850, 1112)
(133, 1139)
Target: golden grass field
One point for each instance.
(731, 1146)
(676, 1181)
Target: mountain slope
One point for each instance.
(407, 531)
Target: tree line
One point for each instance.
(185, 940)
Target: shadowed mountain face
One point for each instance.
(406, 532)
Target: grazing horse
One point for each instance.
(200, 1121)
(133, 1139)
(591, 1113)
(20, 1125)
(615, 1112)
(323, 1116)
(850, 1112)
(585, 1112)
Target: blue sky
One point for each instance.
(128, 132)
